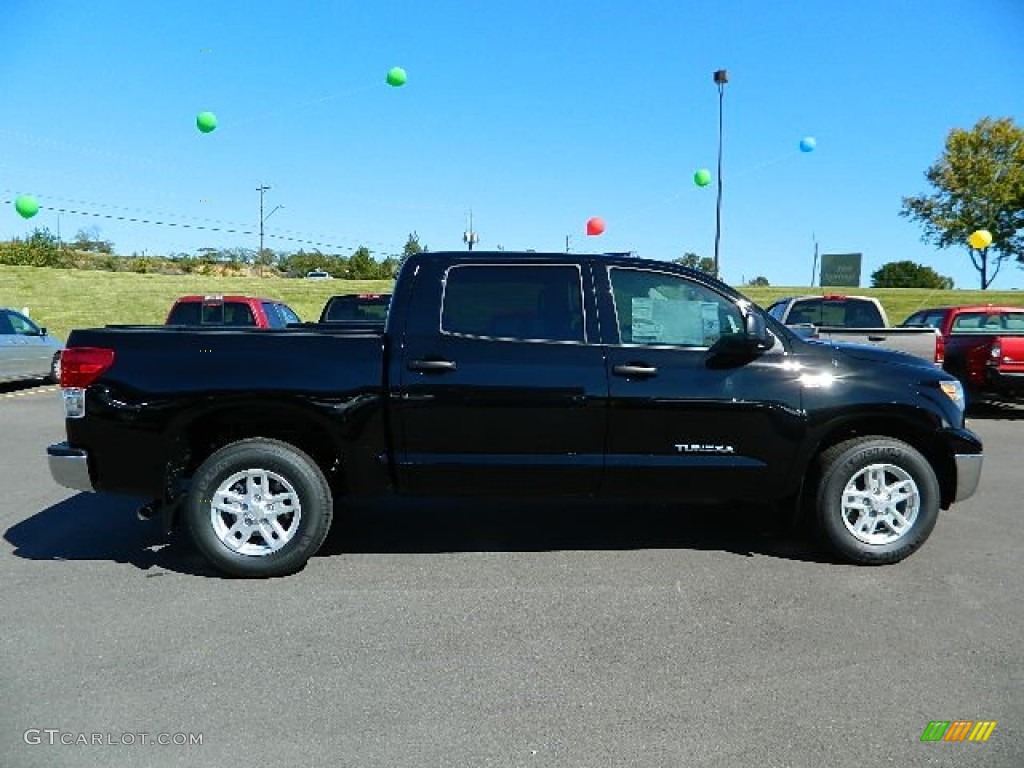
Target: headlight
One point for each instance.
(954, 391)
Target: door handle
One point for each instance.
(641, 371)
(876, 338)
(433, 366)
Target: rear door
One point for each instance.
(502, 386)
(682, 424)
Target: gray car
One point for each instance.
(26, 350)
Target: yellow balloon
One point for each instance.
(980, 239)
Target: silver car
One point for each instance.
(26, 350)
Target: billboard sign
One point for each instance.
(840, 269)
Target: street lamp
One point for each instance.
(721, 77)
(470, 237)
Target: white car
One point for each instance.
(318, 274)
(26, 350)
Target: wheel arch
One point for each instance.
(920, 434)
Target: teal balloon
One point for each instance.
(26, 206)
(702, 177)
(396, 76)
(206, 121)
(807, 144)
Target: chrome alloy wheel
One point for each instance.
(255, 512)
(880, 503)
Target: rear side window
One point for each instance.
(533, 303)
(835, 313)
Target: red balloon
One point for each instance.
(595, 225)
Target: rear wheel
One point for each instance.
(259, 508)
(877, 500)
(54, 377)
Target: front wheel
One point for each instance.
(877, 500)
(259, 508)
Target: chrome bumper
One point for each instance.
(968, 473)
(69, 467)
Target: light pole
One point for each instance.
(470, 237)
(721, 77)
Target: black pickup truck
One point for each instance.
(514, 374)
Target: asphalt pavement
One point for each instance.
(495, 634)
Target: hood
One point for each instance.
(872, 354)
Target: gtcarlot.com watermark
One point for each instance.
(35, 736)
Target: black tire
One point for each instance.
(54, 377)
(846, 464)
(293, 481)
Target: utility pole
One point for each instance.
(261, 190)
(814, 269)
(470, 237)
(259, 255)
(721, 77)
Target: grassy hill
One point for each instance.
(63, 299)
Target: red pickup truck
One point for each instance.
(984, 345)
(231, 311)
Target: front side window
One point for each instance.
(274, 319)
(533, 303)
(658, 308)
(22, 325)
(288, 314)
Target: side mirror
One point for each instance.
(756, 332)
(42, 331)
(745, 345)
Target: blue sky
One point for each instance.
(534, 115)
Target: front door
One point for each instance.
(683, 424)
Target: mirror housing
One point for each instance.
(754, 339)
(756, 333)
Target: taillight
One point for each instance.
(996, 350)
(81, 366)
(940, 349)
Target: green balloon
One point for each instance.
(702, 177)
(206, 121)
(396, 76)
(26, 206)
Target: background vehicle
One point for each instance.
(515, 374)
(231, 311)
(27, 351)
(855, 320)
(984, 345)
(318, 274)
(356, 308)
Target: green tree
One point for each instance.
(412, 245)
(907, 274)
(760, 280)
(88, 239)
(978, 183)
(361, 265)
(693, 261)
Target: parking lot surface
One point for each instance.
(498, 634)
